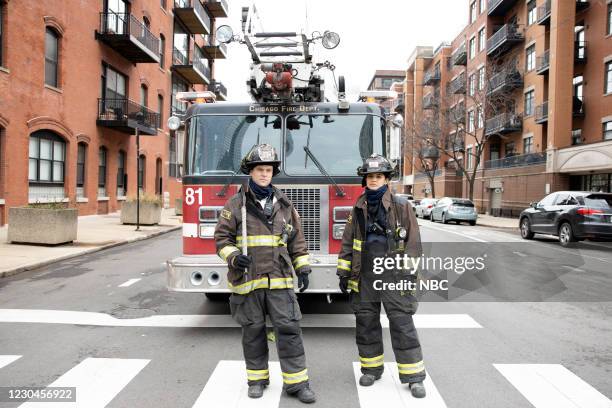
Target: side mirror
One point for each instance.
(533, 204)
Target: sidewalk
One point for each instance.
(497, 222)
(95, 233)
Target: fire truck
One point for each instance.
(321, 143)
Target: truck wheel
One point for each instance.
(341, 84)
(217, 297)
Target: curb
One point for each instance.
(13, 272)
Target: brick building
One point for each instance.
(77, 79)
(533, 82)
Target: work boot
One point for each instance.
(417, 389)
(368, 379)
(306, 395)
(256, 390)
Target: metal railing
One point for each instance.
(541, 112)
(197, 6)
(508, 32)
(223, 2)
(458, 84)
(431, 76)
(457, 114)
(182, 59)
(430, 152)
(543, 61)
(528, 159)
(126, 24)
(430, 101)
(504, 123)
(459, 56)
(506, 79)
(544, 11)
(124, 109)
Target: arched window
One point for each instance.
(47, 157)
(162, 49)
(142, 165)
(158, 177)
(51, 58)
(160, 110)
(81, 159)
(121, 176)
(102, 156)
(144, 95)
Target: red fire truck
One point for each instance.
(320, 143)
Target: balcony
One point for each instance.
(217, 8)
(123, 115)
(459, 56)
(430, 101)
(504, 39)
(431, 77)
(399, 104)
(503, 124)
(505, 81)
(429, 152)
(578, 108)
(457, 85)
(455, 142)
(193, 16)
(543, 63)
(194, 71)
(499, 7)
(129, 37)
(215, 51)
(541, 113)
(457, 114)
(544, 13)
(528, 159)
(219, 89)
(580, 52)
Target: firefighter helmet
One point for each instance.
(375, 164)
(260, 154)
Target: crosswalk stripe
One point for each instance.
(552, 385)
(97, 381)
(390, 392)
(227, 387)
(129, 283)
(8, 359)
(422, 321)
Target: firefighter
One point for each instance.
(262, 281)
(381, 225)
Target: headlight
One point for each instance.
(338, 231)
(207, 230)
(214, 278)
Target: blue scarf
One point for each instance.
(374, 196)
(261, 192)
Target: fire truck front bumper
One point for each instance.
(208, 274)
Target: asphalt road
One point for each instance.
(532, 331)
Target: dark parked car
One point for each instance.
(570, 215)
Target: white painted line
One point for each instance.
(522, 255)
(552, 385)
(97, 381)
(129, 283)
(227, 387)
(422, 321)
(8, 359)
(572, 268)
(190, 230)
(456, 233)
(389, 392)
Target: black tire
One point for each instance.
(341, 84)
(431, 217)
(525, 227)
(566, 235)
(444, 220)
(472, 223)
(217, 297)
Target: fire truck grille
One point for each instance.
(307, 202)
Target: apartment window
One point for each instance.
(530, 60)
(160, 110)
(472, 85)
(121, 177)
(51, 57)
(609, 18)
(482, 6)
(472, 12)
(144, 95)
(178, 86)
(529, 100)
(528, 145)
(576, 136)
(472, 47)
(81, 156)
(180, 52)
(532, 12)
(47, 156)
(102, 172)
(481, 79)
(468, 154)
(172, 169)
(608, 77)
(471, 121)
(480, 118)
(509, 149)
(578, 87)
(494, 151)
(113, 84)
(162, 49)
(607, 130)
(142, 164)
(482, 39)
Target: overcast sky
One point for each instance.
(375, 34)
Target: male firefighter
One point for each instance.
(381, 225)
(262, 281)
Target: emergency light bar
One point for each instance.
(384, 95)
(198, 97)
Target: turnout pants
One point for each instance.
(399, 306)
(250, 312)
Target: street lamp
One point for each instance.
(139, 117)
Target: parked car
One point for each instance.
(454, 209)
(570, 215)
(423, 209)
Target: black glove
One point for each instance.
(241, 261)
(302, 281)
(344, 284)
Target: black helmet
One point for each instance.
(375, 164)
(260, 154)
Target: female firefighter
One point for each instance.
(381, 225)
(262, 282)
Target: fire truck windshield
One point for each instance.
(338, 142)
(217, 143)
